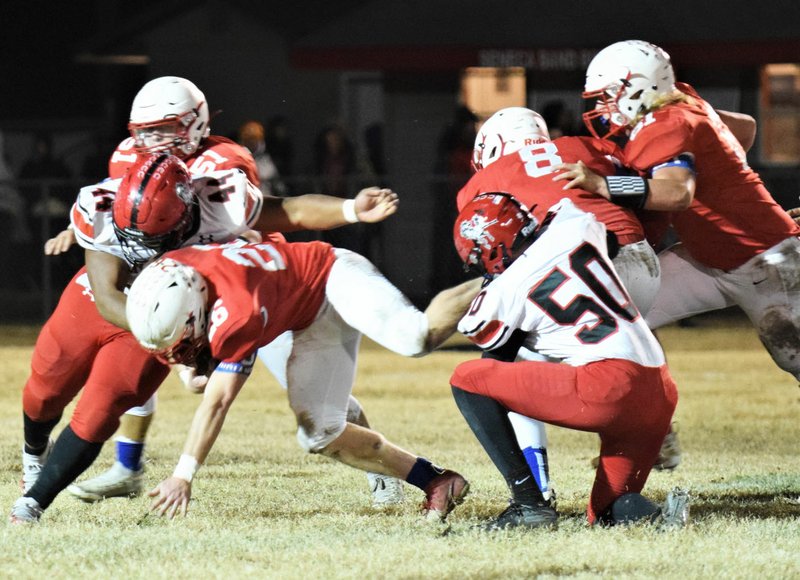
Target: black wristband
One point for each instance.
(627, 191)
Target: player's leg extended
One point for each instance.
(106, 396)
(320, 374)
(60, 364)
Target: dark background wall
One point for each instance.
(71, 69)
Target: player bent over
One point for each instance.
(224, 302)
(554, 289)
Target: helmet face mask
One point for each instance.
(505, 132)
(624, 80)
(155, 209)
(169, 114)
(166, 311)
(490, 231)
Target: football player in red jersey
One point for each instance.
(223, 302)
(738, 246)
(171, 114)
(552, 287)
(67, 359)
(513, 152)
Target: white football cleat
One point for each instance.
(674, 512)
(25, 510)
(386, 490)
(119, 481)
(32, 466)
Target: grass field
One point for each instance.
(263, 509)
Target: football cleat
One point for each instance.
(443, 494)
(518, 515)
(669, 457)
(32, 466)
(25, 510)
(386, 490)
(119, 481)
(675, 510)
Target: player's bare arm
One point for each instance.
(670, 188)
(108, 276)
(446, 309)
(172, 495)
(741, 125)
(59, 244)
(323, 212)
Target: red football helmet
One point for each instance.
(155, 209)
(489, 229)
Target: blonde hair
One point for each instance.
(671, 98)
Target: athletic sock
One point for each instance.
(70, 457)
(489, 421)
(129, 453)
(423, 473)
(536, 458)
(37, 433)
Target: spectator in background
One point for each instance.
(453, 169)
(14, 231)
(251, 135)
(279, 145)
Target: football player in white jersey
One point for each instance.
(159, 200)
(554, 290)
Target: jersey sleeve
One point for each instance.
(491, 318)
(659, 137)
(233, 338)
(91, 219)
(221, 154)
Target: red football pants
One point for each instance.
(78, 349)
(628, 405)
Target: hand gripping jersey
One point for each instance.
(733, 217)
(214, 154)
(564, 294)
(258, 291)
(229, 206)
(528, 175)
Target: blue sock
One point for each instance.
(536, 457)
(129, 454)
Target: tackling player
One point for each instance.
(162, 207)
(553, 289)
(224, 302)
(738, 247)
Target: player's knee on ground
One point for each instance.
(628, 509)
(314, 439)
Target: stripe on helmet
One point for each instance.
(140, 193)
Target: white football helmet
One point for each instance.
(507, 131)
(169, 114)
(166, 311)
(625, 79)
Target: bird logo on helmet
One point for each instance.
(489, 230)
(625, 79)
(155, 209)
(166, 311)
(169, 114)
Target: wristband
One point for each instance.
(626, 191)
(186, 468)
(349, 211)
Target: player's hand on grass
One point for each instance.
(374, 204)
(171, 497)
(60, 243)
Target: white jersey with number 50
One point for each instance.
(229, 206)
(564, 294)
